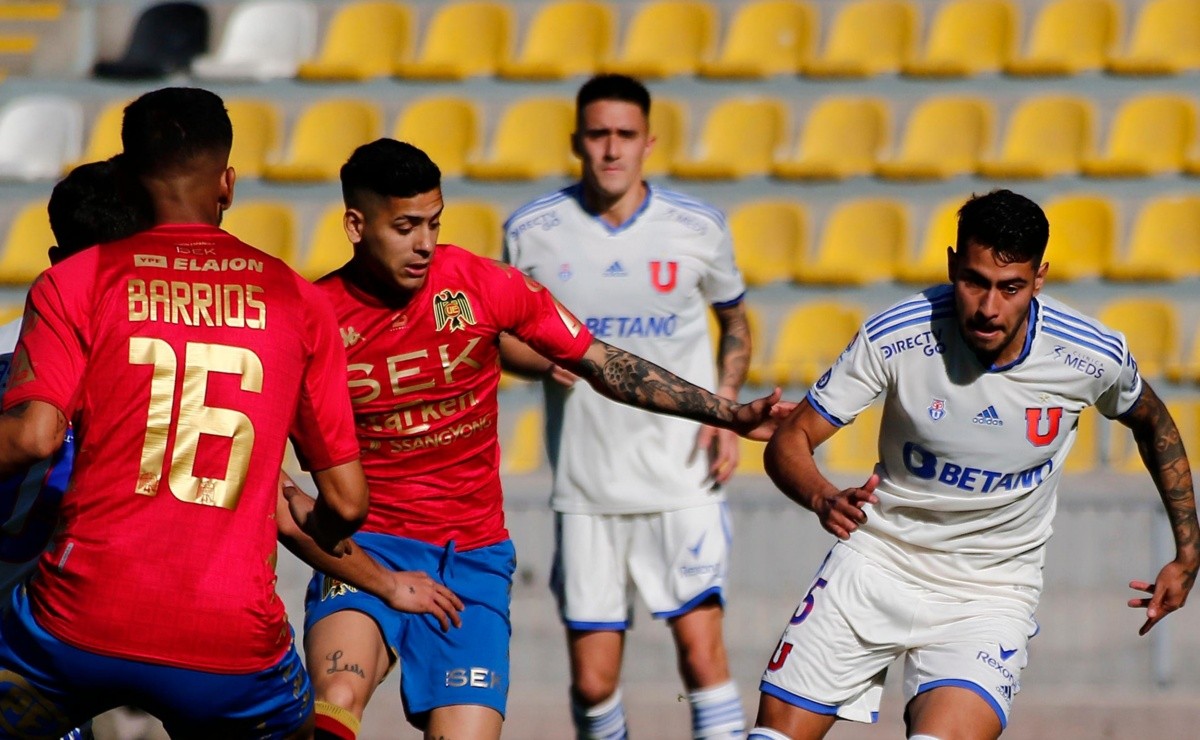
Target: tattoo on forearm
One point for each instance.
(733, 358)
(335, 666)
(1162, 450)
(633, 380)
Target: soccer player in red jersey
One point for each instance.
(421, 324)
(182, 357)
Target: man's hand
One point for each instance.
(413, 591)
(759, 418)
(1168, 593)
(721, 446)
(301, 505)
(561, 375)
(841, 513)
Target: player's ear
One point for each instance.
(1039, 277)
(353, 223)
(225, 194)
(55, 253)
(951, 262)
(577, 144)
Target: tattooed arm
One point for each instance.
(733, 359)
(629, 379)
(1162, 452)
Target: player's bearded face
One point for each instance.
(396, 237)
(612, 142)
(992, 298)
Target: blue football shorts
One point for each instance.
(48, 687)
(467, 664)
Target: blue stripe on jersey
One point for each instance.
(691, 204)
(942, 312)
(1075, 339)
(730, 303)
(1083, 331)
(542, 202)
(908, 308)
(821, 410)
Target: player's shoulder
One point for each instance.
(912, 312)
(539, 211)
(453, 264)
(1071, 326)
(687, 210)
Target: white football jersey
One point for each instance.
(646, 287)
(971, 456)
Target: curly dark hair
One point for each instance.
(1006, 222)
(387, 167)
(166, 130)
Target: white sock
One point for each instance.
(717, 713)
(605, 721)
(766, 733)
(923, 737)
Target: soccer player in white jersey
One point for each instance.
(638, 498)
(941, 550)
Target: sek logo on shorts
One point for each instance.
(476, 678)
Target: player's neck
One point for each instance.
(1009, 353)
(368, 280)
(618, 210)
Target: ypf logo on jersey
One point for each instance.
(664, 283)
(452, 309)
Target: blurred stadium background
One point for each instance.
(837, 134)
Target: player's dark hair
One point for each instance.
(95, 204)
(387, 167)
(612, 87)
(1008, 223)
(166, 130)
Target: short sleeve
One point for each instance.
(722, 284)
(525, 308)
(323, 431)
(856, 379)
(49, 359)
(1120, 397)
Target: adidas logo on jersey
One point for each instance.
(615, 270)
(988, 417)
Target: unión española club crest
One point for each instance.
(452, 309)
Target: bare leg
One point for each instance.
(595, 664)
(464, 722)
(952, 713)
(346, 659)
(700, 646)
(796, 723)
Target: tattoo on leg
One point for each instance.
(336, 667)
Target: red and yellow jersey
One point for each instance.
(183, 358)
(423, 379)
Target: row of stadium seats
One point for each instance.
(278, 38)
(854, 449)
(843, 136)
(862, 241)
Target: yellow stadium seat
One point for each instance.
(266, 225)
(765, 37)
(464, 39)
(1082, 236)
(769, 236)
(854, 449)
(1069, 37)
(1165, 242)
(328, 247)
(668, 126)
(739, 139)
(867, 37)
(445, 128)
(565, 38)
(1124, 456)
(1149, 135)
(1165, 40)
(967, 37)
(323, 137)
(104, 138)
(810, 338)
(11, 312)
(364, 39)
(1085, 454)
(861, 243)
(1047, 136)
(754, 372)
(931, 265)
(255, 135)
(524, 451)
(1151, 329)
(843, 137)
(666, 38)
(750, 457)
(474, 225)
(532, 140)
(944, 137)
(24, 253)
(1187, 370)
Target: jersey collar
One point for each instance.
(1030, 331)
(577, 194)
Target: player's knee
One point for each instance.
(592, 689)
(338, 691)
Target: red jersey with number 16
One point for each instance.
(184, 357)
(423, 379)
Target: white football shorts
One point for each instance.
(676, 560)
(858, 617)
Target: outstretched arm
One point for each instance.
(789, 461)
(629, 379)
(1162, 452)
